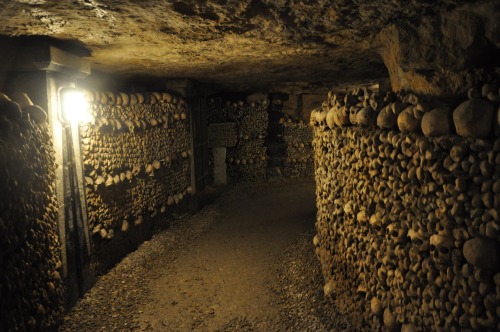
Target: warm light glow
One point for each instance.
(74, 107)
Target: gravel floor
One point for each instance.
(243, 263)
(299, 291)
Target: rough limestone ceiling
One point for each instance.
(234, 43)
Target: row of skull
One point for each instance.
(478, 116)
(130, 172)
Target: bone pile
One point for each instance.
(408, 194)
(247, 160)
(136, 157)
(30, 281)
(299, 158)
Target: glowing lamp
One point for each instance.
(74, 107)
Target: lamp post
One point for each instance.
(74, 110)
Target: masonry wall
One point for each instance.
(408, 192)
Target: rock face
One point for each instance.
(232, 42)
(438, 55)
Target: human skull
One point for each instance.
(377, 223)
(321, 117)
(330, 117)
(473, 118)
(366, 117)
(457, 153)
(437, 122)
(482, 253)
(441, 247)
(353, 113)
(387, 117)
(136, 170)
(341, 116)
(409, 120)
(395, 232)
(313, 117)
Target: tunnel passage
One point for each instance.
(403, 144)
(265, 142)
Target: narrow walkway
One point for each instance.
(214, 271)
(225, 275)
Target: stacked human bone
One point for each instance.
(30, 283)
(136, 158)
(299, 161)
(408, 196)
(247, 160)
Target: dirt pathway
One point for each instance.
(223, 278)
(243, 263)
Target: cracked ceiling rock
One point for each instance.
(274, 41)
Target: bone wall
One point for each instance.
(290, 153)
(297, 137)
(136, 157)
(30, 282)
(246, 161)
(408, 192)
(270, 143)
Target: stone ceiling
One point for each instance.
(234, 44)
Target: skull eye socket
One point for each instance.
(395, 233)
(433, 247)
(444, 250)
(378, 228)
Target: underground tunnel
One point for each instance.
(252, 165)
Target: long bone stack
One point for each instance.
(299, 158)
(247, 160)
(408, 193)
(30, 280)
(136, 158)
